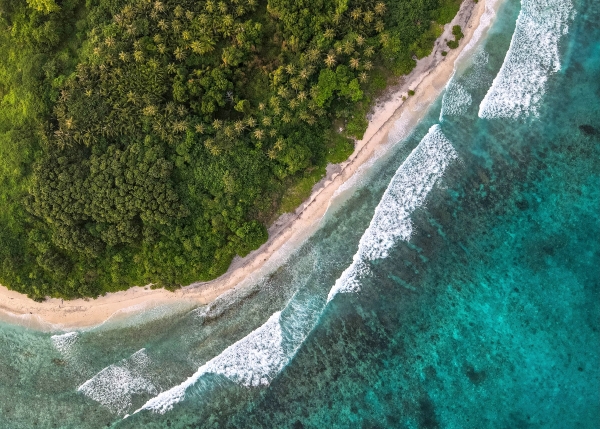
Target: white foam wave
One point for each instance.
(391, 222)
(115, 385)
(532, 56)
(64, 342)
(252, 361)
(456, 100)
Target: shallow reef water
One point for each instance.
(480, 308)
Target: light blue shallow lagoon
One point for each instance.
(455, 285)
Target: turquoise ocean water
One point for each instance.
(455, 285)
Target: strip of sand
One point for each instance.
(428, 79)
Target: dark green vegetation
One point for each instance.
(152, 141)
(458, 34)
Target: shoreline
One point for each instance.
(427, 79)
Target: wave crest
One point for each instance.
(391, 222)
(532, 56)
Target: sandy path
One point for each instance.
(428, 79)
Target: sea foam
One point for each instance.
(533, 55)
(252, 361)
(115, 385)
(391, 222)
(456, 100)
(64, 343)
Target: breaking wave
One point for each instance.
(64, 343)
(252, 361)
(115, 385)
(391, 222)
(456, 100)
(533, 55)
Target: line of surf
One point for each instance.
(532, 57)
(391, 222)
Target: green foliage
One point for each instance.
(458, 34)
(152, 141)
(44, 6)
(339, 148)
(446, 11)
(423, 46)
(452, 44)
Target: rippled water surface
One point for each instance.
(456, 285)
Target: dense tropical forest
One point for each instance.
(152, 141)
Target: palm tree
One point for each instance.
(369, 51)
(258, 134)
(124, 56)
(222, 7)
(354, 63)
(304, 74)
(313, 54)
(239, 126)
(266, 120)
(380, 8)
(329, 33)
(199, 128)
(348, 47)
(138, 56)
(290, 69)
(368, 65)
(158, 6)
(210, 6)
(360, 40)
(180, 53)
(385, 39)
(330, 60)
(217, 124)
(379, 26)
(212, 148)
(363, 77)
(356, 13)
(251, 122)
(163, 25)
(150, 110)
(229, 131)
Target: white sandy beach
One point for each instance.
(428, 80)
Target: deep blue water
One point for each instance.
(468, 285)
